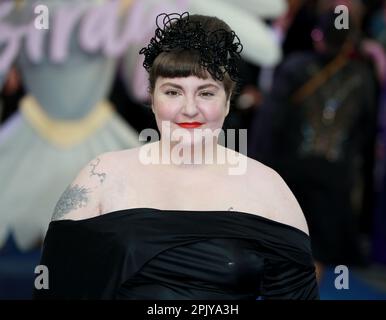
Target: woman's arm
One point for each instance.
(81, 199)
(287, 208)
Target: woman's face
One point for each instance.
(189, 103)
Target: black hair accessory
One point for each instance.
(219, 50)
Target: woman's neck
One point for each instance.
(196, 155)
(166, 155)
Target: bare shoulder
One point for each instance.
(283, 206)
(81, 199)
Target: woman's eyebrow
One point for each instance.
(170, 84)
(177, 86)
(208, 85)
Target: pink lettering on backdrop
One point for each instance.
(99, 29)
(116, 43)
(35, 43)
(93, 28)
(10, 37)
(63, 27)
(102, 29)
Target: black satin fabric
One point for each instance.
(146, 254)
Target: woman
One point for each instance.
(180, 228)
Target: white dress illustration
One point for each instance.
(62, 123)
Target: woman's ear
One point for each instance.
(228, 104)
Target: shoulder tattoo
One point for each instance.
(73, 197)
(101, 175)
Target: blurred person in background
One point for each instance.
(316, 127)
(376, 48)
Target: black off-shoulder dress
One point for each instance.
(146, 254)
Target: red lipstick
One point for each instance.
(190, 125)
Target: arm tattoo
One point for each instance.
(73, 197)
(101, 176)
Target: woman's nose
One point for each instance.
(190, 107)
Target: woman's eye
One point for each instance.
(171, 93)
(207, 94)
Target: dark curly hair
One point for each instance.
(186, 45)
